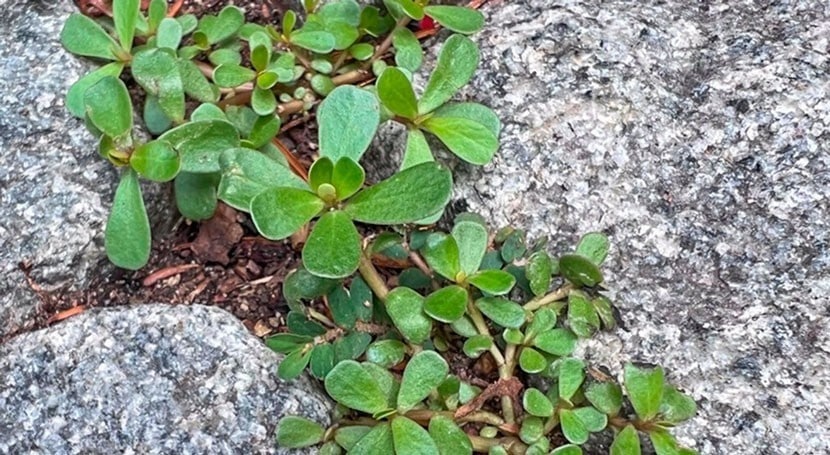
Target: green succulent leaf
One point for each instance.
(532, 429)
(443, 256)
(544, 320)
(352, 346)
(247, 173)
(156, 11)
(409, 7)
(457, 62)
(83, 36)
(127, 236)
(448, 437)
(169, 34)
(195, 84)
(302, 285)
(569, 449)
(408, 52)
(280, 212)
(477, 345)
(348, 119)
(424, 372)
(411, 438)
(494, 282)
(348, 436)
(513, 336)
(230, 75)
(156, 160)
(593, 246)
(293, 365)
(189, 23)
(225, 56)
(373, 23)
(295, 432)
(333, 248)
(579, 270)
(407, 196)
(263, 101)
(663, 442)
(260, 45)
(536, 403)
(472, 239)
(396, 93)
(214, 29)
(156, 121)
(560, 342)
(473, 112)
(456, 18)
(200, 144)
(158, 73)
(605, 312)
(386, 353)
(75, 96)
(538, 271)
(352, 386)
(502, 311)
(676, 406)
(300, 324)
(362, 51)
(206, 112)
(605, 396)
(320, 172)
(196, 194)
(531, 361)
(582, 317)
(645, 389)
(446, 304)
(417, 149)
(322, 360)
(627, 442)
(379, 440)
(347, 177)
(321, 42)
(571, 376)
(108, 106)
(578, 423)
(469, 140)
(405, 308)
(285, 343)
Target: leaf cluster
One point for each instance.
(216, 90)
(390, 357)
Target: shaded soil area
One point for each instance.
(220, 262)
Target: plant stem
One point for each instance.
(372, 277)
(541, 301)
(387, 43)
(504, 373)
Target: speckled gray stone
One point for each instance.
(695, 134)
(146, 379)
(55, 190)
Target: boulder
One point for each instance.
(696, 135)
(147, 379)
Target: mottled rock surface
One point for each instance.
(55, 190)
(695, 134)
(146, 379)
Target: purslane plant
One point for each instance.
(472, 348)
(390, 358)
(244, 79)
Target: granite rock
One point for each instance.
(146, 379)
(55, 190)
(696, 135)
